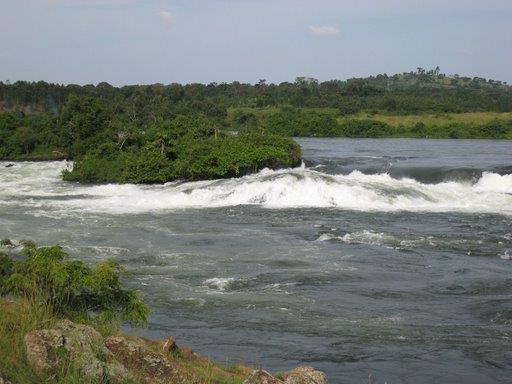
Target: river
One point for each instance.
(378, 260)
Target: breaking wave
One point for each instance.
(38, 185)
(363, 237)
(219, 283)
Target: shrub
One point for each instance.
(69, 287)
(296, 122)
(5, 266)
(419, 128)
(6, 243)
(365, 128)
(236, 156)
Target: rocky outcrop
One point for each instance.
(43, 349)
(76, 344)
(300, 375)
(260, 376)
(305, 375)
(118, 359)
(149, 366)
(115, 357)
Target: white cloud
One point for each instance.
(324, 30)
(166, 16)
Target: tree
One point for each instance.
(83, 116)
(25, 138)
(390, 105)
(161, 141)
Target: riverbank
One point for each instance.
(38, 347)
(33, 351)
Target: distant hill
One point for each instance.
(433, 78)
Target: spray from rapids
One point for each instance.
(39, 185)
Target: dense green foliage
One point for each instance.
(193, 156)
(110, 146)
(69, 287)
(323, 123)
(157, 133)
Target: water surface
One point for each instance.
(389, 258)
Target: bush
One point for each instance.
(245, 122)
(296, 122)
(70, 288)
(236, 156)
(365, 128)
(6, 243)
(5, 266)
(419, 129)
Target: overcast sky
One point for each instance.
(165, 41)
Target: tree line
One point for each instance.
(402, 93)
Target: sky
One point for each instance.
(203, 41)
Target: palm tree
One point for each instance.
(161, 141)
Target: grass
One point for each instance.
(206, 372)
(17, 318)
(437, 119)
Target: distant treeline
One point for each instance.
(403, 94)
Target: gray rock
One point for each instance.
(151, 367)
(117, 372)
(305, 375)
(48, 349)
(260, 376)
(42, 349)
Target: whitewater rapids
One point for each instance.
(39, 185)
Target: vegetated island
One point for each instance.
(158, 133)
(60, 323)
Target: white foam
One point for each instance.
(492, 182)
(38, 185)
(506, 255)
(362, 237)
(219, 283)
